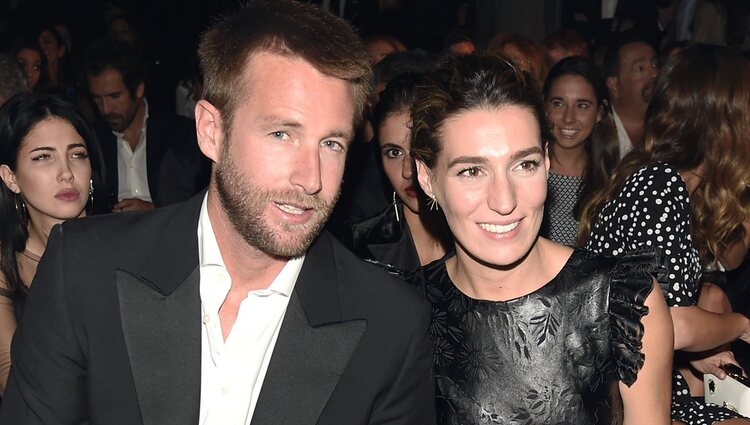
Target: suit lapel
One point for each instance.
(314, 345)
(163, 338)
(159, 297)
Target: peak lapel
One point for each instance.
(314, 346)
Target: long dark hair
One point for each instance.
(697, 117)
(601, 146)
(18, 116)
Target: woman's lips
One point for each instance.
(68, 195)
(410, 192)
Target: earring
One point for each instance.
(395, 207)
(433, 203)
(22, 214)
(91, 193)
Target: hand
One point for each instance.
(712, 363)
(133, 204)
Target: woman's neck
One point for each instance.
(39, 230)
(481, 281)
(568, 162)
(692, 178)
(429, 247)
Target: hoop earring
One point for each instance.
(433, 203)
(22, 213)
(395, 207)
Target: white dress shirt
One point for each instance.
(132, 172)
(622, 135)
(232, 371)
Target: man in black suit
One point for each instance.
(232, 308)
(135, 138)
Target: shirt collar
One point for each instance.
(209, 255)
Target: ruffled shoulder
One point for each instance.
(631, 283)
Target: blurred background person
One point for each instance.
(685, 192)
(584, 150)
(405, 235)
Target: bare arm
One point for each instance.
(735, 253)
(648, 400)
(696, 329)
(7, 327)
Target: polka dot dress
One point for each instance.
(653, 209)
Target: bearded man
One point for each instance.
(233, 308)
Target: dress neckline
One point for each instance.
(574, 254)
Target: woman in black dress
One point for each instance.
(404, 235)
(686, 193)
(524, 330)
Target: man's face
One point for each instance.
(637, 74)
(279, 171)
(113, 100)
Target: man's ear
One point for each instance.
(612, 86)
(9, 178)
(209, 129)
(424, 176)
(140, 90)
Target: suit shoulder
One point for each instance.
(374, 285)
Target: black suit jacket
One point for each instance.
(163, 131)
(111, 334)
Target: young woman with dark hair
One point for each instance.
(47, 177)
(525, 330)
(584, 150)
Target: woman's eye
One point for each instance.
(393, 153)
(41, 157)
(80, 155)
(469, 172)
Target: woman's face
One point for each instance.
(52, 171)
(490, 179)
(397, 162)
(31, 65)
(573, 109)
(52, 49)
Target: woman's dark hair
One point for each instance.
(18, 116)
(698, 117)
(397, 97)
(29, 44)
(478, 81)
(602, 145)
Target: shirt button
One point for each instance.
(206, 318)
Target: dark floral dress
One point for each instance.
(545, 357)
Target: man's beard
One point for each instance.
(647, 92)
(245, 204)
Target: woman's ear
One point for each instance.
(424, 176)
(9, 178)
(209, 129)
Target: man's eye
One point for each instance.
(469, 172)
(333, 145)
(281, 135)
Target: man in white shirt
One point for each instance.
(631, 68)
(233, 308)
(134, 138)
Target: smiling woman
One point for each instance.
(47, 177)
(584, 150)
(525, 330)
